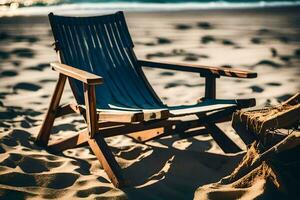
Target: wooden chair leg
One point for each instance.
(146, 135)
(106, 158)
(226, 144)
(71, 142)
(97, 142)
(43, 136)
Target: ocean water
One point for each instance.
(43, 7)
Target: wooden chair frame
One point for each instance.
(143, 131)
(100, 127)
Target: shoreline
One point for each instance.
(290, 10)
(262, 40)
(82, 11)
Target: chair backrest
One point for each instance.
(102, 45)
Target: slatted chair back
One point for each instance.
(102, 45)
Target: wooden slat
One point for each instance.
(70, 55)
(210, 87)
(151, 114)
(70, 37)
(65, 110)
(91, 112)
(128, 116)
(146, 131)
(74, 141)
(203, 70)
(122, 22)
(121, 69)
(126, 74)
(197, 109)
(143, 77)
(78, 74)
(108, 92)
(132, 116)
(120, 116)
(120, 94)
(106, 158)
(224, 142)
(44, 133)
(134, 85)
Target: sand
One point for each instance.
(264, 40)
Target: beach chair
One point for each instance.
(114, 97)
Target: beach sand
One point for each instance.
(264, 40)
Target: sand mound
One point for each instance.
(274, 177)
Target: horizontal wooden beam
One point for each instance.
(81, 75)
(203, 70)
(148, 130)
(71, 142)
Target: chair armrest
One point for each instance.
(203, 70)
(81, 75)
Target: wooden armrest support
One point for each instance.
(81, 75)
(205, 71)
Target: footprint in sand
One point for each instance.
(16, 63)
(166, 73)
(226, 66)
(150, 44)
(39, 67)
(8, 73)
(204, 25)
(93, 190)
(157, 54)
(53, 181)
(256, 40)
(273, 84)
(22, 38)
(4, 55)
(47, 81)
(269, 63)
(23, 52)
(18, 38)
(177, 52)
(171, 85)
(183, 26)
(274, 52)
(29, 164)
(285, 58)
(283, 39)
(102, 179)
(256, 89)
(283, 97)
(207, 39)
(161, 40)
(191, 57)
(227, 42)
(26, 86)
(11, 112)
(297, 53)
(263, 31)
(4, 36)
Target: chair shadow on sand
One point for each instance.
(152, 171)
(181, 171)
